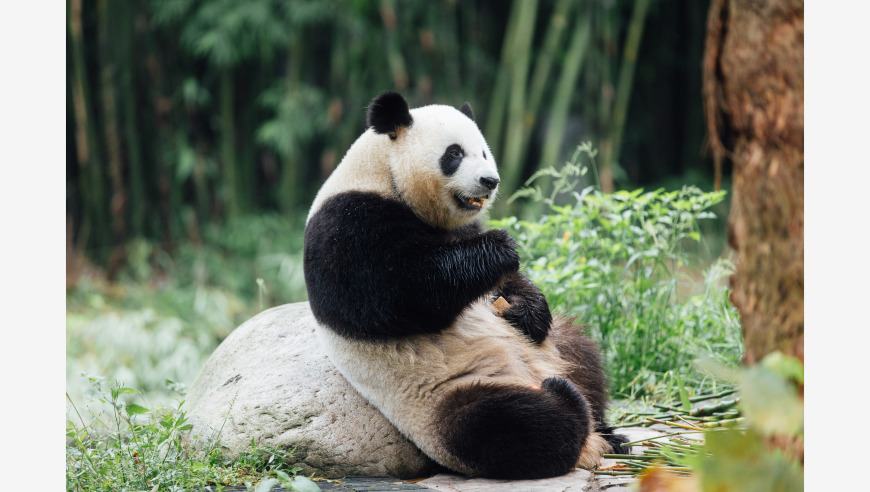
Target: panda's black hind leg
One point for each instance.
(511, 432)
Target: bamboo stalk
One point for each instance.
(228, 142)
(639, 464)
(450, 45)
(91, 182)
(135, 180)
(498, 101)
(674, 424)
(629, 456)
(512, 159)
(291, 183)
(722, 423)
(618, 466)
(660, 437)
(623, 92)
(118, 204)
(684, 420)
(394, 54)
(723, 394)
(702, 411)
(565, 88)
(543, 66)
(614, 473)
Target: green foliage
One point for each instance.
(191, 111)
(136, 448)
(287, 132)
(617, 262)
(166, 313)
(742, 459)
(769, 398)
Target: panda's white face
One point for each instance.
(442, 167)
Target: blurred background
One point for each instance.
(198, 133)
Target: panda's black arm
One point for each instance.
(529, 312)
(375, 271)
(460, 272)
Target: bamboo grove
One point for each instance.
(186, 112)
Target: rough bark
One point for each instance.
(753, 88)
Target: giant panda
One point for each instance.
(401, 275)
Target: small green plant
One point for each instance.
(136, 448)
(617, 262)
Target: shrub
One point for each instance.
(618, 262)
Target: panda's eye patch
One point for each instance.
(451, 159)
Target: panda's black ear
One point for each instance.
(388, 112)
(466, 110)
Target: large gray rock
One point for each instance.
(270, 381)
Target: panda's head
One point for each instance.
(440, 164)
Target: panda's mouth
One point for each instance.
(471, 202)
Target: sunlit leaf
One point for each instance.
(266, 485)
(134, 409)
(303, 484)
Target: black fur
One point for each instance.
(516, 433)
(375, 271)
(467, 111)
(451, 159)
(587, 374)
(529, 312)
(387, 113)
(616, 441)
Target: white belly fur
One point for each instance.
(406, 378)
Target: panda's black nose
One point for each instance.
(489, 182)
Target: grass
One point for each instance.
(131, 447)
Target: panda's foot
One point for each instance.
(616, 441)
(595, 447)
(510, 432)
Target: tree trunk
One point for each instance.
(753, 89)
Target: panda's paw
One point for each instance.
(529, 312)
(529, 319)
